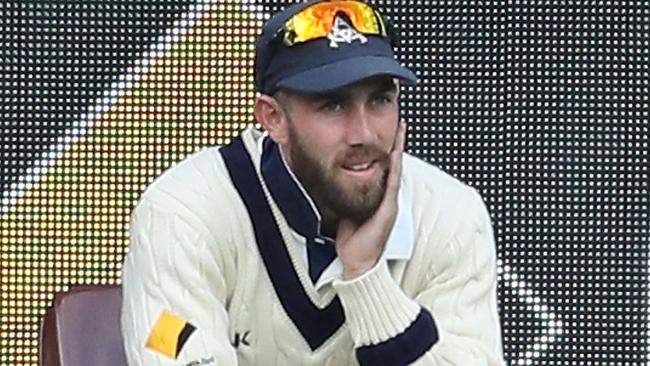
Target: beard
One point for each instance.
(355, 200)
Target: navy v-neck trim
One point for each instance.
(297, 208)
(315, 325)
(286, 193)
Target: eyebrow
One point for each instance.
(388, 87)
(380, 88)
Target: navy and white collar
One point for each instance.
(302, 214)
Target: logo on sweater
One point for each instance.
(241, 339)
(169, 335)
(201, 362)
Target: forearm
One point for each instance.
(387, 326)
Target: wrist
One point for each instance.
(351, 272)
(376, 309)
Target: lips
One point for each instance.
(366, 170)
(358, 167)
(363, 162)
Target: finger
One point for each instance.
(400, 141)
(400, 137)
(392, 184)
(388, 207)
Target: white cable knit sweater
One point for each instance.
(194, 255)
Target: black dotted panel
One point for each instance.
(542, 106)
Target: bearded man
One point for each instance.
(318, 241)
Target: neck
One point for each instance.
(329, 223)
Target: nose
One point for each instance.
(359, 129)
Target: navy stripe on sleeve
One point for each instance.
(404, 348)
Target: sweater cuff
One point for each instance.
(376, 309)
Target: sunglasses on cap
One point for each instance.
(318, 20)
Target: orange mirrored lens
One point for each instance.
(316, 21)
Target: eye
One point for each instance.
(383, 98)
(332, 105)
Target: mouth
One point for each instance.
(358, 167)
(361, 169)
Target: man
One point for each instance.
(318, 242)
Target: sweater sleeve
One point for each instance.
(174, 290)
(452, 320)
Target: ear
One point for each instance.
(272, 117)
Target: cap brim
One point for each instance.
(345, 72)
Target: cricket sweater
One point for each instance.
(217, 272)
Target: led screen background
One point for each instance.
(542, 106)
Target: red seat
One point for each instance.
(83, 328)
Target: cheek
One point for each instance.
(326, 155)
(324, 145)
(388, 134)
(323, 139)
(385, 122)
(315, 150)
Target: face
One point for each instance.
(338, 145)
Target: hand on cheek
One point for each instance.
(360, 246)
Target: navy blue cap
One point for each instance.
(315, 66)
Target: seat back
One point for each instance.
(83, 328)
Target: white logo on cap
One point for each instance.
(342, 31)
